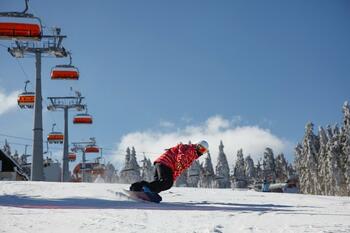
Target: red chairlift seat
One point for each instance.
(20, 25)
(26, 100)
(82, 118)
(64, 72)
(72, 157)
(55, 137)
(20, 31)
(92, 149)
(79, 168)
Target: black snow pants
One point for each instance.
(163, 180)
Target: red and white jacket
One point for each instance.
(178, 158)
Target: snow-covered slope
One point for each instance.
(75, 207)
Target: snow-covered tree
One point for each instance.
(346, 145)
(269, 167)
(250, 172)
(301, 168)
(131, 171)
(323, 175)
(222, 170)
(291, 171)
(323, 161)
(239, 177)
(281, 168)
(193, 174)
(259, 172)
(310, 151)
(336, 175)
(147, 170)
(111, 175)
(207, 174)
(329, 131)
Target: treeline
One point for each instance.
(322, 161)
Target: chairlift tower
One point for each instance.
(81, 147)
(29, 40)
(66, 103)
(51, 46)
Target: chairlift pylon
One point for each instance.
(26, 99)
(20, 25)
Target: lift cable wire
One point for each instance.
(24, 72)
(104, 148)
(22, 138)
(59, 149)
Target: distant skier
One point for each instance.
(170, 165)
(265, 186)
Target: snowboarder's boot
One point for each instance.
(154, 196)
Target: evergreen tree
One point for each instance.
(269, 167)
(281, 168)
(131, 171)
(323, 179)
(110, 174)
(336, 130)
(207, 174)
(193, 174)
(291, 171)
(133, 160)
(301, 168)
(250, 172)
(323, 162)
(336, 176)
(310, 151)
(329, 131)
(126, 168)
(346, 145)
(222, 179)
(259, 172)
(239, 178)
(147, 170)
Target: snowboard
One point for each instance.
(144, 196)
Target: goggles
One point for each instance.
(202, 149)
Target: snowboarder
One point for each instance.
(170, 165)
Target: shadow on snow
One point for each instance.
(92, 203)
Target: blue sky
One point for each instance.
(271, 64)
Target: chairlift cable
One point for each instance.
(10, 136)
(24, 72)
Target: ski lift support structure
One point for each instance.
(66, 103)
(80, 147)
(49, 45)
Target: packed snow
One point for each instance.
(97, 207)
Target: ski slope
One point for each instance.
(76, 207)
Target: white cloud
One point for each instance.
(252, 139)
(8, 101)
